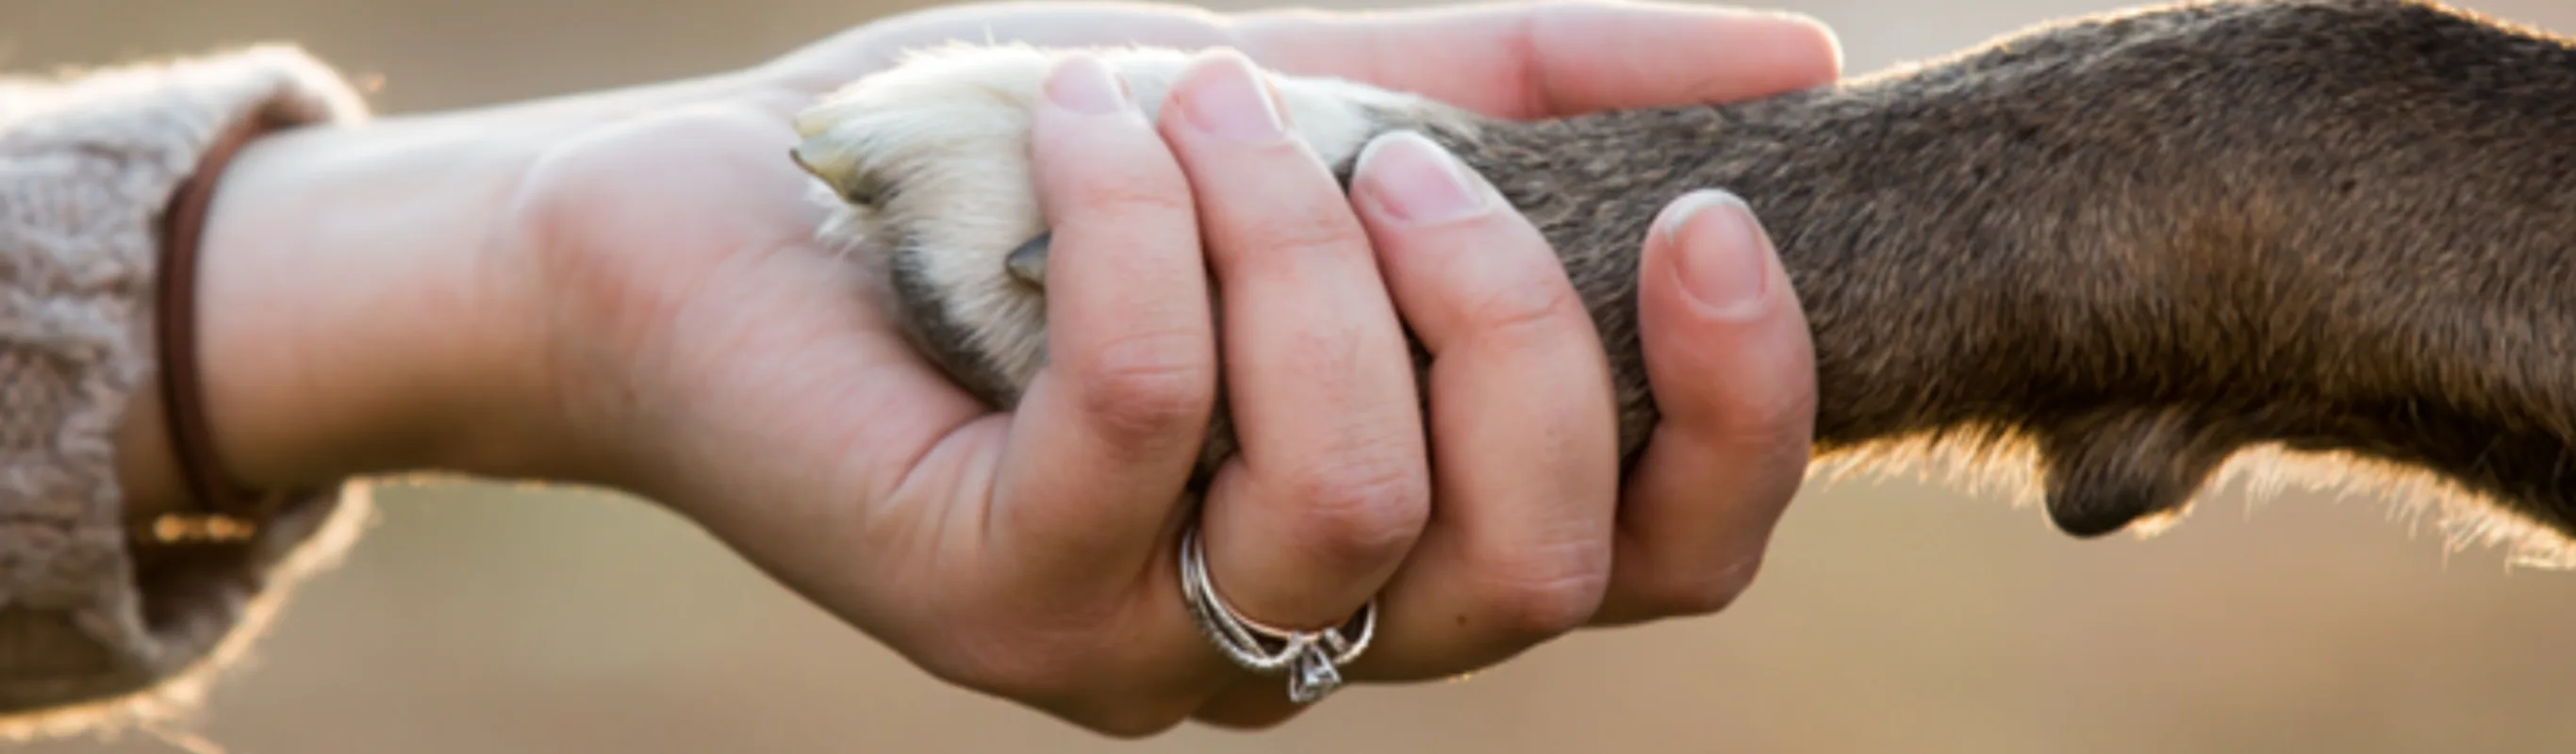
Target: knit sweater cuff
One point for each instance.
(89, 635)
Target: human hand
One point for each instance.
(626, 294)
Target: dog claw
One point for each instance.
(1028, 262)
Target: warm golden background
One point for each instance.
(1892, 618)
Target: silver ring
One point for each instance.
(1314, 659)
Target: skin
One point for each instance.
(525, 292)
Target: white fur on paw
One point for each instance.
(930, 160)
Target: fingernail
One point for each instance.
(1721, 252)
(1227, 98)
(1083, 84)
(1416, 181)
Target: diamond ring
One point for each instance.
(1313, 659)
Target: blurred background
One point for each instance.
(1891, 617)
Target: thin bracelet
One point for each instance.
(226, 511)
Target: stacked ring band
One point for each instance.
(1313, 659)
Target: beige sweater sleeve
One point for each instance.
(99, 627)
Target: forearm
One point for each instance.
(369, 298)
(350, 318)
(363, 304)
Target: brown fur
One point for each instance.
(2137, 244)
(2144, 242)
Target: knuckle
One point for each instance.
(1291, 229)
(1131, 194)
(1528, 307)
(1148, 386)
(1363, 507)
(1535, 598)
(1701, 593)
(1772, 422)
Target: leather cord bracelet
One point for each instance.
(226, 511)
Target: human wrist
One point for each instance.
(349, 319)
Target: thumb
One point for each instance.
(1727, 347)
(1732, 368)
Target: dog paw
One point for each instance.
(925, 167)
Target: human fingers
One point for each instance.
(1522, 60)
(831, 62)
(1104, 439)
(1532, 60)
(1329, 486)
(1525, 463)
(1525, 467)
(1729, 357)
